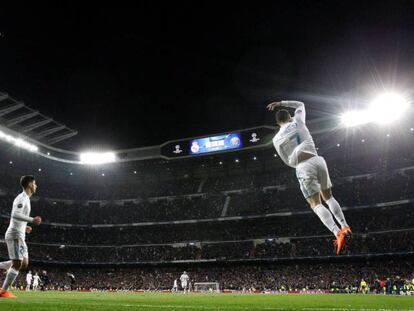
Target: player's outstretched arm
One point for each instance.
(300, 113)
(273, 105)
(292, 104)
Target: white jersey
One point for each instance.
(19, 217)
(294, 137)
(175, 284)
(29, 278)
(36, 279)
(184, 278)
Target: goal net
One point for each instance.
(207, 287)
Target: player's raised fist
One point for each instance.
(273, 105)
(37, 220)
(28, 229)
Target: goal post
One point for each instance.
(213, 287)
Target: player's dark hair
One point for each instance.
(26, 180)
(282, 116)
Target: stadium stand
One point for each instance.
(243, 224)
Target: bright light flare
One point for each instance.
(388, 107)
(355, 118)
(384, 109)
(97, 157)
(18, 142)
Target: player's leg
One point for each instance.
(11, 276)
(306, 172)
(17, 250)
(334, 207)
(25, 263)
(326, 192)
(308, 176)
(5, 265)
(323, 213)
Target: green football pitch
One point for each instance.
(61, 301)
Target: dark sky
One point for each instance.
(140, 75)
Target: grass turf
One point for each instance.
(61, 301)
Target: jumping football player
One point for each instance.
(296, 148)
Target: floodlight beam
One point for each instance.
(95, 158)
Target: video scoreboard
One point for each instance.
(257, 137)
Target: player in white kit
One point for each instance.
(175, 286)
(296, 148)
(184, 281)
(16, 233)
(36, 279)
(29, 278)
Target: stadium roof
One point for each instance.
(31, 123)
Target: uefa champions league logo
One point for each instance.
(254, 139)
(177, 149)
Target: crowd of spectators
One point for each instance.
(321, 246)
(393, 242)
(159, 194)
(363, 221)
(350, 192)
(168, 221)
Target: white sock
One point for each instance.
(5, 265)
(10, 277)
(336, 210)
(326, 217)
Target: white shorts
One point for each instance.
(184, 284)
(17, 249)
(313, 176)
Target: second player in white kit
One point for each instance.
(296, 148)
(175, 285)
(16, 234)
(184, 281)
(36, 280)
(29, 278)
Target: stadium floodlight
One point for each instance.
(387, 108)
(18, 142)
(384, 109)
(95, 158)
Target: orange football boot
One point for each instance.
(341, 236)
(6, 294)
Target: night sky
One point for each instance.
(137, 76)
